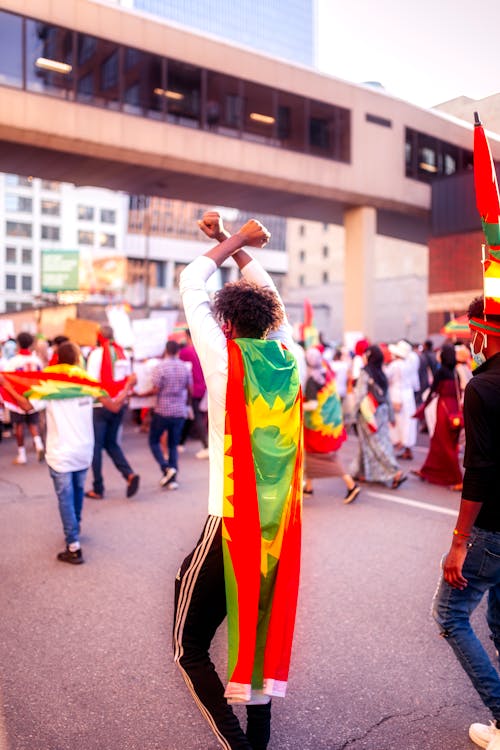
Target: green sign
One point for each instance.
(60, 270)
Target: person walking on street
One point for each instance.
(108, 363)
(471, 568)
(246, 563)
(70, 439)
(188, 354)
(172, 382)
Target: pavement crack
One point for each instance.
(7, 486)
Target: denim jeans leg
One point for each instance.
(452, 609)
(100, 427)
(174, 427)
(156, 430)
(63, 484)
(78, 491)
(111, 445)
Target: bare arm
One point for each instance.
(252, 233)
(23, 402)
(453, 564)
(116, 403)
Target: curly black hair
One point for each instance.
(252, 309)
(476, 310)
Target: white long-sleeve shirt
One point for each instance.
(211, 346)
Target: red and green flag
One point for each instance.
(488, 205)
(262, 515)
(324, 429)
(54, 382)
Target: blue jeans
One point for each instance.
(69, 487)
(106, 426)
(452, 609)
(173, 425)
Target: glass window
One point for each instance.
(51, 185)
(302, 256)
(325, 277)
(27, 256)
(259, 117)
(326, 251)
(98, 71)
(183, 93)
(50, 233)
(49, 59)
(11, 306)
(15, 179)
(18, 229)
(291, 121)
(10, 255)
(17, 203)
(321, 129)
(223, 109)
(26, 283)
(302, 279)
(85, 213)
(11, 50)
(51, 208)
(107, 240)
(108, 216)
(143, 84)
(85, 238)
(302, 230)
(10, 281)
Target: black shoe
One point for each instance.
(133, 485)
(75, 558)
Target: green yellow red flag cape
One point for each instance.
(55, 382)
(262, 515)
(488, 205)
(324, 429)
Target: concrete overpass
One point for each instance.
(64, 139)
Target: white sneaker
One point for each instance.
(168, 476)
(181, 448)
(173, 486)
(20, 460)
(203, 453)
(485, 734)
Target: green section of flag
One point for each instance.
(492, 234)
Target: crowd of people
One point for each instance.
(272, 416)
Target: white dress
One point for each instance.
(401, 376)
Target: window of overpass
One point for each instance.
(224, 104)
(144, 84)
(11, 50)
(291, 121)
(49, 59)
(259, 119)
(428, 157)
(97, 71)
(183, 93)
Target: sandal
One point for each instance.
(398, 481)
(94, 495)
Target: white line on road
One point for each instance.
(414, 503)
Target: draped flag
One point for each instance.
(324, 429)
(310, 335)
(55, 382)
(262, 515)
(488, 205)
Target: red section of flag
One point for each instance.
(485, 179)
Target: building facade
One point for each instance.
(282, 28)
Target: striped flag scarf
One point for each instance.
(262, 515)
(55, 382)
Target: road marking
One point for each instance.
(414, 503)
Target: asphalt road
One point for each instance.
(85, 654)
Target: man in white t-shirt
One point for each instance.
(70, 446)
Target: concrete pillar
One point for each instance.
(360, 226)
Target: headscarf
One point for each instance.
(375, 357)
(315, 367)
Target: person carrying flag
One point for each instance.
(471, 568)
(246, 563)
(70, 435)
